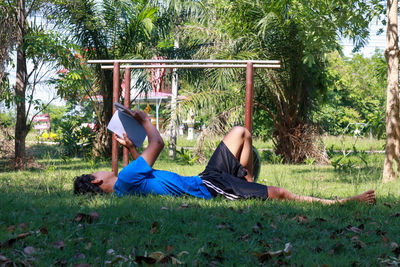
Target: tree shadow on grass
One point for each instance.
(41, 151)
(219, 231)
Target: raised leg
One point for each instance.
(239, 142)
(283, 194)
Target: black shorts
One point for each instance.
(224, 175)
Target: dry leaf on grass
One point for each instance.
(262, 257)
(43, 230)
(301, 219)
(89, 218)
(11, 228)
(59, 245)
(154, 228)
(10, 242)
(29, 250)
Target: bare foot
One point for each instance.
(367, 197)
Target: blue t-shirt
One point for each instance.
(138, 178)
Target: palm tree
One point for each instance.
(299, 35)
(107, 30)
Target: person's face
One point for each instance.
(105, 180)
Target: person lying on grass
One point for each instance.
(228, 173)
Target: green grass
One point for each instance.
(347, 142)
(198, 232)
(335, 142)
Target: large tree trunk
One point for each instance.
(392, 99)
(103, 141)
(20, 88)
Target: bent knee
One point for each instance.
(241, 131)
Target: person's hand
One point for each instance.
(139, 116)
(126, 142)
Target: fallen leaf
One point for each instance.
(29, 250)
(11, 228)
(89, 218)
(164, 208)
(359, 244)
(184, 252)
(221, 225)
(262, 257)
(154, 228)
(79, 256)
(395, 248)
(10, 242)
(117, 258)
(59, 245)
(301, 219)
(43, 230)
(157, 255)
(273, 225)
(354, 229)
(385, 239)
(110, 251)
(288, 249)
(3, 258)
(245, 238)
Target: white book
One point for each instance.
(123, 123)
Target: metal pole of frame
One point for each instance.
(248, 115)
(114, 150)
(127, 102)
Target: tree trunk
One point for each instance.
(20, 88)
(174, 119)
(392, 99)
(102, 143)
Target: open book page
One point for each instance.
(122, 122)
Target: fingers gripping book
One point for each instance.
(122, 122)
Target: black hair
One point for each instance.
(83, 185)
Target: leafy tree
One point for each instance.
(31, 42)
(56, 114)
(299, 34)
(354, 95)
(103, 30)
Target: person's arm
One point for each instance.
(156, 143)
(126, 142)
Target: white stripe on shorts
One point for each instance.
(220, 191)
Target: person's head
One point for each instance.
(96, 183)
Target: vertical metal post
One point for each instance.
(248, 115)
(127, 102)
(114, 150)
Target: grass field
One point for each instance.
(42, 223)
